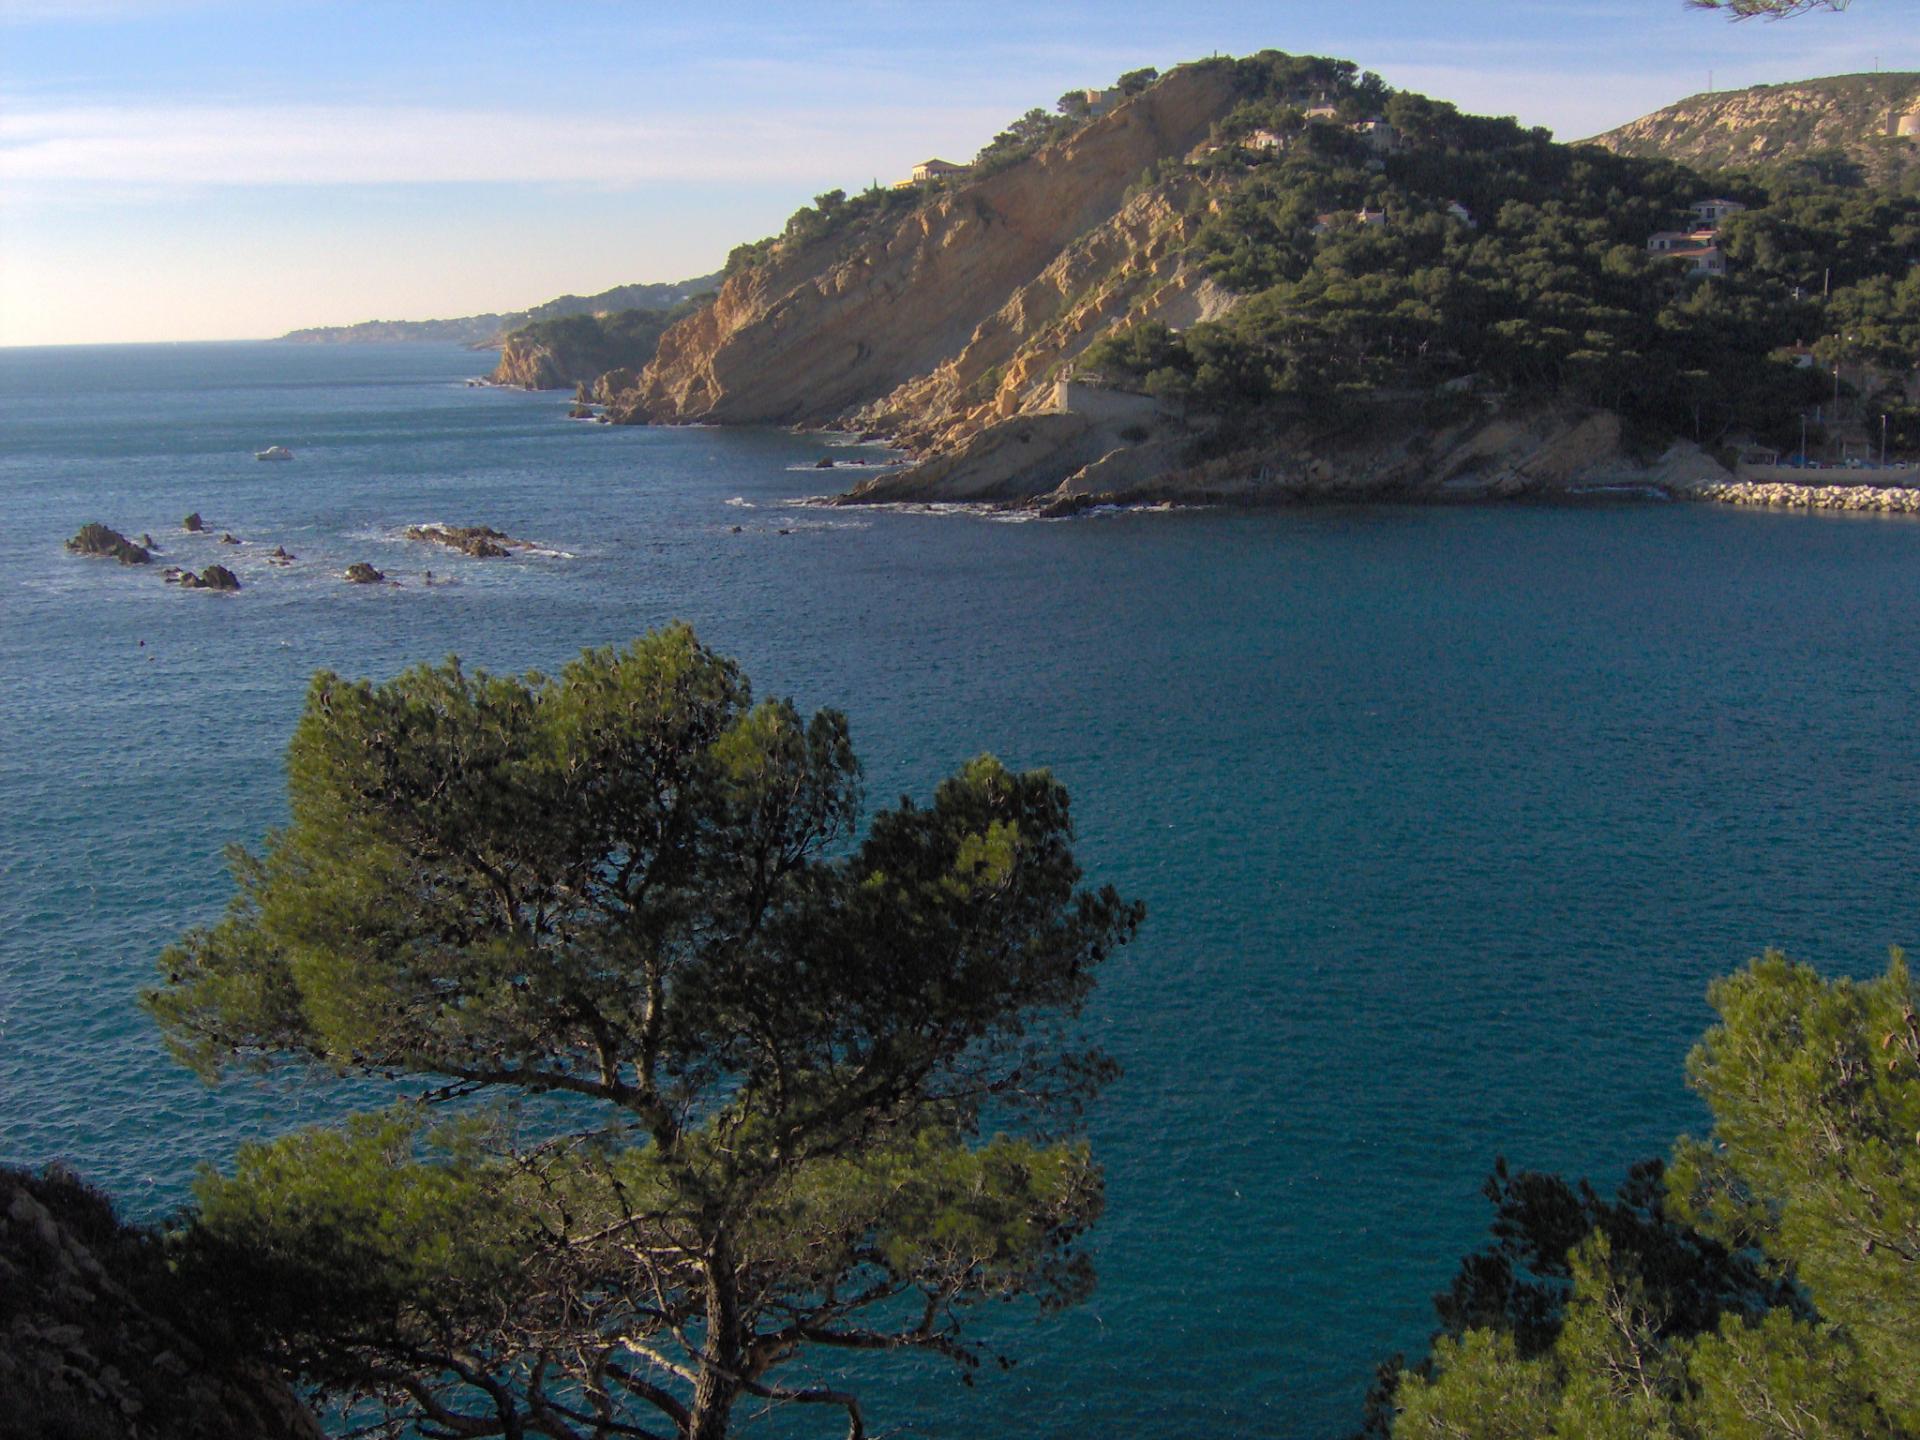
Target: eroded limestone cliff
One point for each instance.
(960, 307)
(1872, 120)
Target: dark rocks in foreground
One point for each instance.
(100, 540)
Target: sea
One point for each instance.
(1444, 817)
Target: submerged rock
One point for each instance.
(98, 539)
(825, 462)
(361, 573)
(227, 538)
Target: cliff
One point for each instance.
(816, 331)
(1870, 122)
(98, 1340)
(576, 349)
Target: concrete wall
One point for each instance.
(1102, 405)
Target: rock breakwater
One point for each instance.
(1778, 494)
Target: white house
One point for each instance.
(1462, 214)
(1712, 212)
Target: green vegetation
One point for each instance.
(1766, 1284)
(1544, 289)
(692, 1084)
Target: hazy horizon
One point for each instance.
(186, 170)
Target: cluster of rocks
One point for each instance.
(483, 542)
(1884, 500)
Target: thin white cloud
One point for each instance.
(336, 144)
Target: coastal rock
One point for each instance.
(227, 538)
(825, 462)
(101, 1338)
(581, 412)
(193, 524)
(361, 573)
(483, 542)
(280, 556)
(214, 577)
(98, 540)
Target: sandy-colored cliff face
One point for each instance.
(913, 317)
(529, 365)
(1859, 116)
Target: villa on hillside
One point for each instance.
(1710, 213)
(1664, 242)
(931, 170)
(1332, 219)
(1381, 137)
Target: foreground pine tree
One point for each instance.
(692, 1088)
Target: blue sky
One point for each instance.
(198, 169)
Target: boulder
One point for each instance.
(227, 538)
(361, 573)
(218, 577)
(98, 539)
(280, 555)
(581, 412)
(193, 524)
(825, 462)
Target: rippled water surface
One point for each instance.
(1443, 817)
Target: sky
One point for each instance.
(204, 169)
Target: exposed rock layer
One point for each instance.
(1860, 116)
(819, 331)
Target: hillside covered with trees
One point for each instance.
(1473, 247)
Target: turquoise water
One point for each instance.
(1443, 817)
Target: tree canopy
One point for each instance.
(1770, 9)
(1766, 1283)
(692, 1080)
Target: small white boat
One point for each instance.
(273, 452)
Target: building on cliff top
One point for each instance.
(931, 170)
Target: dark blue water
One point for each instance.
(1444, 818)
